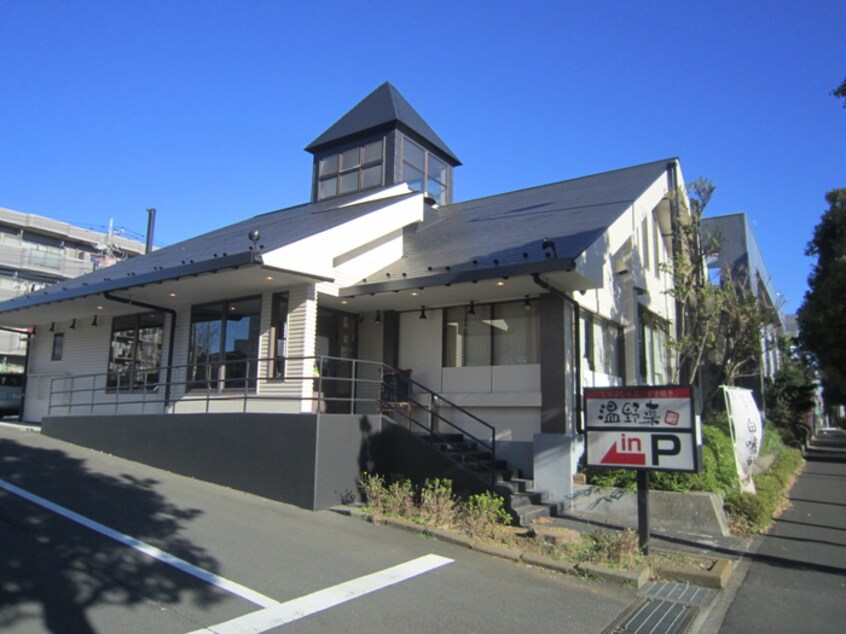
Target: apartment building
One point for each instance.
(36, 252)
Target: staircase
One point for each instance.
(420, 410)
(522, 501)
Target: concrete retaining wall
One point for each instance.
(307, 460)
(694, 513)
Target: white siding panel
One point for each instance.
(420, 347)
(370, 341)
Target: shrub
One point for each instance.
(753, 513)
(718, 474)
(615, 549)
(373, 489)
(437, 503)
(483, 515)
(399, 499)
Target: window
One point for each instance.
(654, 362)
(424, 172)
(279, 334)
(492, 334)
(612, 349)
(136, 351)
(58, 346)
(351, 170)
(224, 344)
(602, 345)
(587, 340)
(657, 244)
(644, 243)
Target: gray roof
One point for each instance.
(479, 239)
(217, 250)
(384, 107)
(504, 235)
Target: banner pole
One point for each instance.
(643, 510)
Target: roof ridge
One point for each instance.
(552, 184)
(392, 93)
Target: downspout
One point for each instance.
(170, 342)
(26, 371)
(577, 343)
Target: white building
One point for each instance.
(278, 340)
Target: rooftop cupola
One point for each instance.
(380, 142)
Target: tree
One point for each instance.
(791, 396)
(694, 303)
(719, 323)
(822, 315)
(840, 91)
(741, 322)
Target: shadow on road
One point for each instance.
(54, 571)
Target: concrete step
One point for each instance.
(521, 499)
(529, 512)
(527, 498)
(472, 455)
(513, 482)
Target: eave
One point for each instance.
(446, 277)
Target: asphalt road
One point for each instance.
(796, 580)
(74, 523)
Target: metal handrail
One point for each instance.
(434, 413)
(93, 394)
(220, 388)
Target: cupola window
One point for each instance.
(351, 170)
(424, 172)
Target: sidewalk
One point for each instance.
(794, 579)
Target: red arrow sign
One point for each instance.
(617, 457)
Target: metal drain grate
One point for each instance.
(679, 593)
(648, 616)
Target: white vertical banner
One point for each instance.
(746, 432)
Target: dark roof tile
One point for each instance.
(384, 107)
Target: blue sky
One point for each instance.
(201, 109)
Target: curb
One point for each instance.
(716, 577)
(637, 578)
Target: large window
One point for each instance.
(602, 344)
(224, 344)
(351, 170)
(136, 351)
(654, 349)
(491, 334)
(424, 172)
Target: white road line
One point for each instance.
(151, 551)
(295, 609)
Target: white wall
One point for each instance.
(506, 397)
(85, 352)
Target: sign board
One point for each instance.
(642, 427)
(746, 432)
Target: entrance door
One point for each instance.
(337, 338)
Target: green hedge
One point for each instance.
(753, 513)
(749, 513)
(718, 474)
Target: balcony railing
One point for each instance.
(319, 385)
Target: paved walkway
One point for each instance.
(795, 581)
